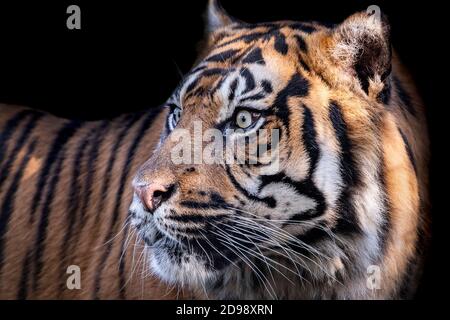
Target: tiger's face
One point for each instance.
(263, 87)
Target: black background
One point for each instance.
(129, 55)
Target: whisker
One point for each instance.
(127, 222)
(206, 253)
(127, 243)
(300, 244)
(241, 231)
(278, 232)
(262, 258)
(252, 266)
(285, 234)
(218, 251)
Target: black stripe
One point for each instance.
(280, 43)
(233, 87)
(348, 165)
(223, 56)
(98, 135)
(62, 136)
(129, 122)
(196, 218)
(56, 156)
(409, 151)
(75, 191)
(8, 202)
(347, 221)
(310, 139)
(192, 85)
(297, 86)
(9, 129)
(214, 72)
(269, 201)
(23, 287)
(21, 141)
(116, 212)
(301, 43)
(267, 86)
(307, 68)
(255, 56)
(255, 97)
(201, 205)
(249, 80)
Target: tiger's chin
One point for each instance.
(170, 260)
(176, 265)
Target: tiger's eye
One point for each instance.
(175, 117)
(244, 119)
(176, 114)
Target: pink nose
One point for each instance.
(152, 195)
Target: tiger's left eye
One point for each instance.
(175, 117)
(244, 118)
(176, 114)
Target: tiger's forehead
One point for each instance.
(245, 64)
(278, 31)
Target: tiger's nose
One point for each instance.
(153, 194)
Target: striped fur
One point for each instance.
(350, 194)
(64, 190)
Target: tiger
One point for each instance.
(340, 212)
(335, 208)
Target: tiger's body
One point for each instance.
(64, 194)
(348, 204)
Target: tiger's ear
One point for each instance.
(216, 17)
(361, 45)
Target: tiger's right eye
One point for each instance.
(244, 118)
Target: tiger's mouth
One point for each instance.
(177, 256)
(186, 250)
(203, 246)
(185, 262)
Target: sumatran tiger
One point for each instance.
(342, 215)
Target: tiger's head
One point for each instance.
(302, 100)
